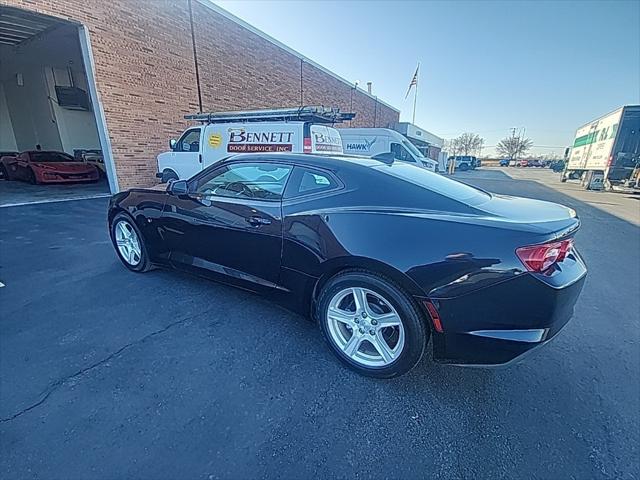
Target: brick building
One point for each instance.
(149, 62)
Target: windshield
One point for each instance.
(436, 183)
(412, 148)
(43, 157)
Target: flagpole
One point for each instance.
(415, 95)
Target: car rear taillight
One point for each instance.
(537, 258)
(306, 145)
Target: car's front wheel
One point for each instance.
(371, 324)
(129, 244)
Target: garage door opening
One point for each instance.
(53, 140)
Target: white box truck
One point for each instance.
(295, 130)
(374, 141)
(605, 152)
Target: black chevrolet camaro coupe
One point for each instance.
(384, 255)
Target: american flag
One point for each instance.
(414, 81)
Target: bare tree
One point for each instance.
(465, 144)
(469, 143)
(452, 147)
(514, 146)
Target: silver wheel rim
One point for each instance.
(128, 243)
(366, 327)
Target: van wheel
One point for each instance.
(168, 175)
(371, 324)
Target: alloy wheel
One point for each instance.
(128, 243)
(366, 327)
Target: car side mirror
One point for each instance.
(178, 187)
(172, 143)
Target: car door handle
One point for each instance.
(257, 221)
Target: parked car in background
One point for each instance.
(7, 154)
(464, 162)
(41, 166)
(500, 277)
(504, 162)
(92, 157)
(535, 163)
(375, 141)
(557, 165)
(522, 163)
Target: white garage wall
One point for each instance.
(7, 138)
(77, 128)
(54, 58)
(31, 116)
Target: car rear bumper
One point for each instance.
(500, 323)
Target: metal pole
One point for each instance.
(415, 95)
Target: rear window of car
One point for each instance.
(435, 182)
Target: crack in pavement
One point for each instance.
(61, 382)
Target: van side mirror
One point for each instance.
(178, 187)
(172, 143)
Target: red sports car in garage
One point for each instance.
(39, 166)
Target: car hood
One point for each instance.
(65, 167)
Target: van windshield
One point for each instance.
(412, 148)
(435, 182)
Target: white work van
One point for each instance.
(294, 130)
(374, 141)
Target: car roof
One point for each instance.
(311, 160)
(46, 151)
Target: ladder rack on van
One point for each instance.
(315, 114)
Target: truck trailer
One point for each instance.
(606, 151)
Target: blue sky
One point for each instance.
(486, 66)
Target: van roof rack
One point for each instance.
(314, 113)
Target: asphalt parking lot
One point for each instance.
(108, 374)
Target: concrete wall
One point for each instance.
(145, 73)
(7, 138)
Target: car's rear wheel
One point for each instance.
(4, 174)
(464, 167)
(129, 244)
(371, 324)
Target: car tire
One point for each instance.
(31, 177)
(168, 175)
(4, 174)
(463, 167)
(135, 259)
(408, 339)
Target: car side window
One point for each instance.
(259, 181)
(401, 153)
(189, 142)
(307, 181)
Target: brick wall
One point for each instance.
(145, 73)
